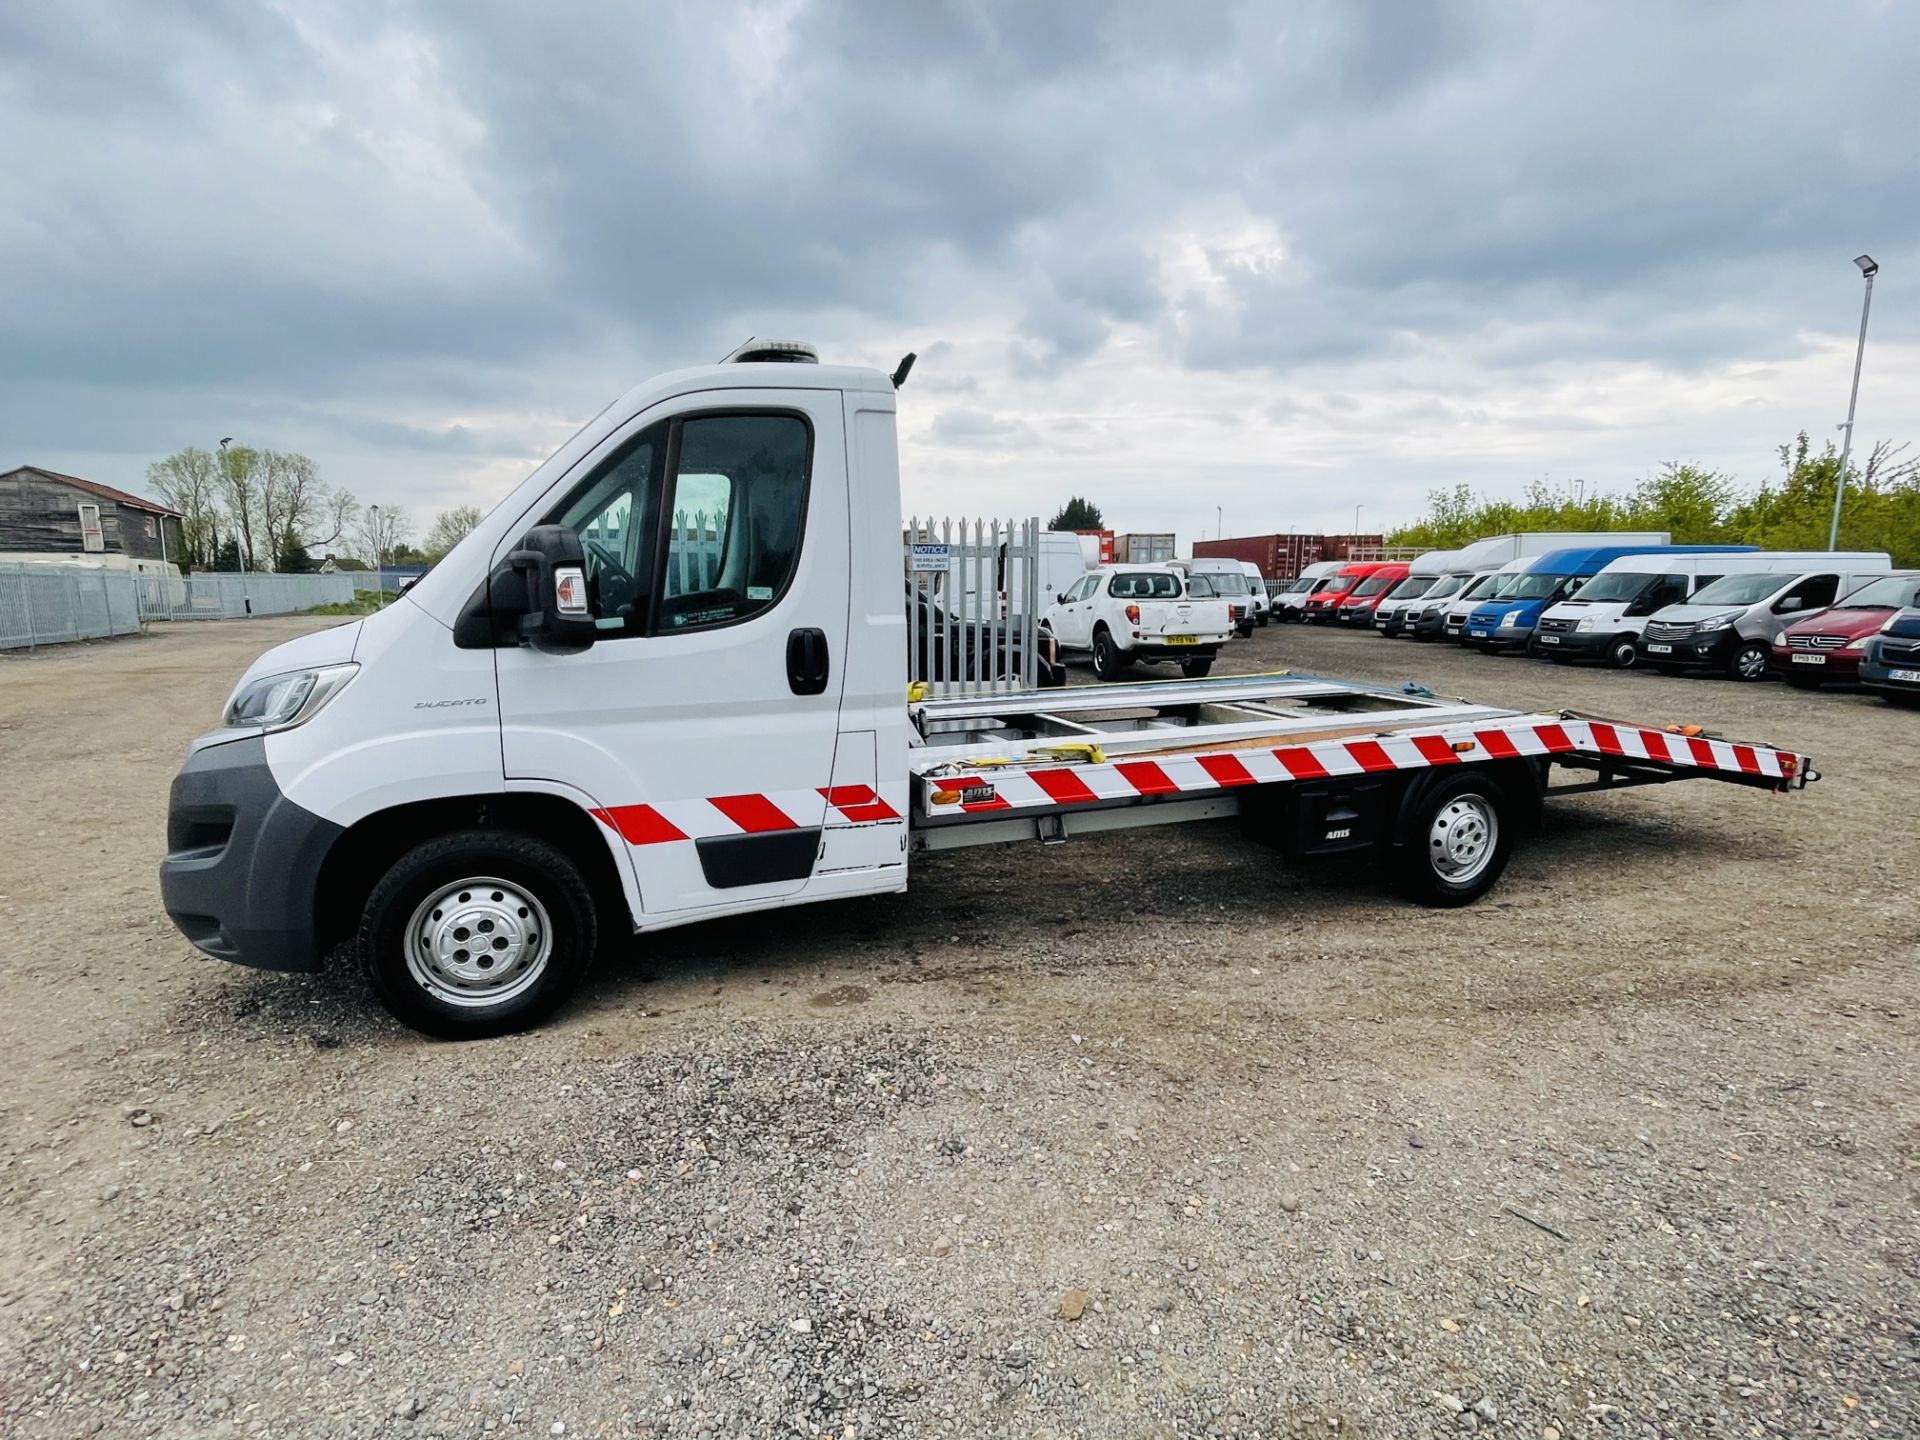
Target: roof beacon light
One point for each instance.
(761, 352)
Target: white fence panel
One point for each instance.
(54, 604)
(973, 604)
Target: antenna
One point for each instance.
(724, 359)
(904, 369)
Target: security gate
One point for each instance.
(973, 605)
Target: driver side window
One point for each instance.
(613, 513)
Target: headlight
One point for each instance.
(1585, 625)
(279, 702)
(1718, 622)
(1509, 620)
(1780, 639)
(1861, 643)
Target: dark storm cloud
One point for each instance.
(473, 204)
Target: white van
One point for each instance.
(1490, 586)
(1227, 580)
(1604, 618)
(1262, 601)
(1424, 573)
(1730, 624)
(1290, 600)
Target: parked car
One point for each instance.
(1357, 609)
(1729, 625)
(1890, 664)
(1290, 600)
(1425, 616)
(1123, 613)
(1222, 580)
(1828, 646)
(1507, 622)
(1323, 605)
(1604, 618)
(1262, 601)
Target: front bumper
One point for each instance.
(1494, 637)
(243, 861)
(1842, 665)
(1711, 651)
(1155, 650)
(1573, 644)
(1877, 674)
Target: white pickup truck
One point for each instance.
(595, 718)
(1123, 613)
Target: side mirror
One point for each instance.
(1061, 598)
(553, 613)
(1792, 602)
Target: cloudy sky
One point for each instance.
(1283, 259)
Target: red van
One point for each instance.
(1358, 607)
(1324, 604)
(1827, 645)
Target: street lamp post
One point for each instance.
(1219, 523)
(241, 541)
(1868, 268)
(1356, 518)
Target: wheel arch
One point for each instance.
(365, 851)
(1521, 781)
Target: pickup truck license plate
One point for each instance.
(1809, 659)
(1905, 677)
(1549, 639)
(1183, 639)
(1659, 649)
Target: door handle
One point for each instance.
(807, 662)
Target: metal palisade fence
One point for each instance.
(973, 604)
(55, 604)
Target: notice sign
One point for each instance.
(936, 559)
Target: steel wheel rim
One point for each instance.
(1624, 654)
(480, 941)
(1751, 662)
(1462, 838)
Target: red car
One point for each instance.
(1827, 646)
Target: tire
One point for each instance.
(1749, 661)
(523, 892)
(1621, 653)
(1197, 669)
(1108, 661)
(1457, 841)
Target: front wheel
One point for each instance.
(1456, 844)
(1749, 661)
(477, 933)
(1621, 653)
(1197, 669)
(1108, 661)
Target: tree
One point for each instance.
(293, 559)
(449, 528)
(189, 481)
(382, 530)
(1077, 514)
(226, 554)
(239, 471)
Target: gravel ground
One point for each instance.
(1145, 1136)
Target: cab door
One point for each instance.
(701, 724)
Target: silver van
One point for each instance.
(1729, 625)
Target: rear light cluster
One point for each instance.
(1133, 614)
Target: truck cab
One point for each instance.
(1323, 605)
(1358, 608)
(721, 542)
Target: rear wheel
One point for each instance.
(477, 933)
(1456, 844)
(1749, 661)
(1621, 654)
(1197, 669)
(1108, 659)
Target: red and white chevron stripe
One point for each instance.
(751, 814)
(1022, 789)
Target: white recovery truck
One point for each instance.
(665, 680)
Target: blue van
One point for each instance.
(1507, 623)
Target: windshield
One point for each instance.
(1299, 585)
(1738, 589)
(1412, 586)
(1372, 585)
(1447, 585)
(1893, 593)
(1145, 585)
(1219, 582)
(1487, 587)
(1617, 585)
(1532, 585)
